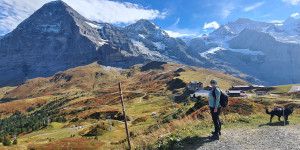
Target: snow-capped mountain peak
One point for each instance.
(292, 20)
(291, 25)
(146, 28)
(287, 32)
(234, 28)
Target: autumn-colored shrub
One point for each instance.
(140, 119)
(147, 97)
(235, 105)
(68, 143)
(241, 106)
(98, 130)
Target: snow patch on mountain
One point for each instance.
(286, 38)
(144, 50)
(142, 36)
(140, 45)
(102, 42)
(225, 46)
(247, 51)
(159, 45)
(211, 51)
(94, 25)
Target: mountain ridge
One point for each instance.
(96, 78)
(56, 38)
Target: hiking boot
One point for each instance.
(214, 137)
(213, 132)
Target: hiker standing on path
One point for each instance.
(215, 108)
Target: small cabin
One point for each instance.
(195, 86)
(241, 87)
(207, 88)
(234, 93)
(202, 93)
(261, 93)
(257, 86)
(245, 87)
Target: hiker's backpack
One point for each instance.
(223, 98)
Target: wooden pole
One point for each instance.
(283, 117)
(125, 118)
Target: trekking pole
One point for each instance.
(125, 119)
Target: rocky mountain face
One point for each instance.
(280, 62)
(56, 38)
(266, 52)
(151, 39)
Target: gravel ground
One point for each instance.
(261, 138)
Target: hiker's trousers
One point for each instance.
(216, 119)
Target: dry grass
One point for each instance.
(225, 81)
(7, 109)
(95, 90)
(282, 88)
(5, 90)
(68, 143)
(96, 78)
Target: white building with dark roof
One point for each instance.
(202, 93)
(294, 89)
(195, 86)
(234, 93)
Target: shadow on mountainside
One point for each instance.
(281, 123)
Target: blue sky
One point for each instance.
(178, 17)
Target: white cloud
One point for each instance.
(178, 34)
(15, 11)
(163, 14)
(226, 13)
(293, 2)
(256, 5)
(276, 21)
(114, 12)
(226, 10)
(213, 24)
(177, 21)
(295, 15)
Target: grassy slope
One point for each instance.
(87, 85)
(225, 81)
(283, 88)
(5, 90)
(88, 80)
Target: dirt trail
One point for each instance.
(261, 138)
(207, 77)
(63, 130)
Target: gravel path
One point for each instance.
(261, 138)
